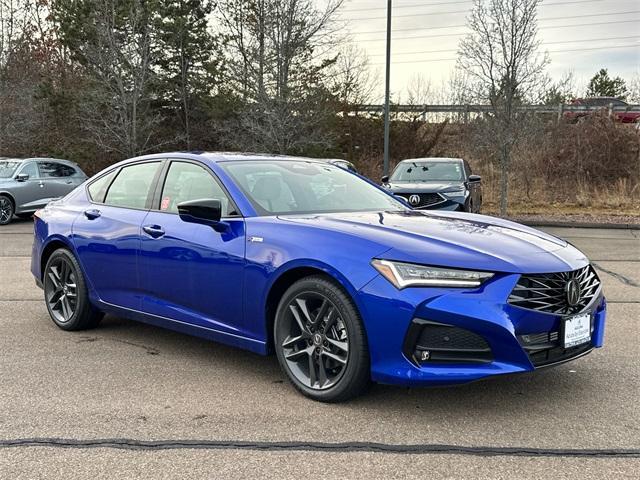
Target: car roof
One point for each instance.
(431, 159)
(29, 159)
(221, 157)
(240, 156)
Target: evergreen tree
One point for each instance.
(188, 65)
(602, 85)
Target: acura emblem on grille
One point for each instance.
(414, 199)
(572, 289)
(559, 293)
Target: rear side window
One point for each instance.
(185, 182)
(98, 188)
(56, 170)
(131, 187)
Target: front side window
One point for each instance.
(290, 187)
(428, 172)
(8, 168)
(186, 182)
(131, 187)
(56, 170)
(30, 169)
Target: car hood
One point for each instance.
(423, 187)
(453, 239)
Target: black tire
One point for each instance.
(338, 325)
(7, 209)
(68, 307)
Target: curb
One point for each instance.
(610, 226)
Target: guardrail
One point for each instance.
(465, 110)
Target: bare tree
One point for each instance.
(501, 56)
(634, 88)
(556, 92)
(23, 63)
(13, 26)
(277, 61)
(112, 39)
(419, 90)
(352, 79)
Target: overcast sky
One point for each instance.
(580, 35)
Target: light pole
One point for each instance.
(386, 92)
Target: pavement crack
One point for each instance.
(616, 275)
(147, 349)
(343, 447)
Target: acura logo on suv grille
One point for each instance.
(572, 290)
(414, 199)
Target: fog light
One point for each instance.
(425, 355)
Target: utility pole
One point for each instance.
(386, 93)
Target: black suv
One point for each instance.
(436, 183)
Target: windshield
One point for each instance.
(8, 168)
(294, 187)
(428, 172)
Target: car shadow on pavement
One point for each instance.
(517, 394)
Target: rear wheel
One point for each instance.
(6, 210)
(320, 341)
(66, 294)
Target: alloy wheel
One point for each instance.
(6, 210)
(61, 289)
(314, 340)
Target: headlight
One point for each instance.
(458, 192)
(403, 275)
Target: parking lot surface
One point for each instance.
(133, 382)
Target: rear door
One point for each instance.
(59, 178)
(190, 272)
(107, 234)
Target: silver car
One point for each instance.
(29, 184)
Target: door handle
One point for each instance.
(92, 214)
(69, 182)
(41, 184)
(154, 231)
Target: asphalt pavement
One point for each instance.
(128, 400)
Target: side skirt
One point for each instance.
(245, 343)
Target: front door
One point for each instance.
(190, 272)
(32, 193)
(107, 233)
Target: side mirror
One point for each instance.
(22, 177)
(385, 179)
(207, 211)
(475, 178)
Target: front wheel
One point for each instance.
(6, 210)
(66, 294)
(320, 341)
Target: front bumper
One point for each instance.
(516, 338)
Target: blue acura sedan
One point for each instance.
(343, 281)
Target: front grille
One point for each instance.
(548, 292)
(431, 342)
(426, 199)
